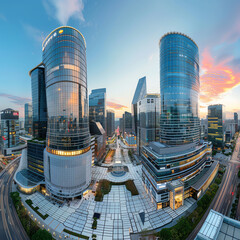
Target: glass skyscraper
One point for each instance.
(28, 118)
(149, 120)
(67, 158)
(139, 94)
(110, 122)
(97, 106)
(179, 90)
(216, 118)
(39, 102)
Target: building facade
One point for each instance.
(110, 123)
(180, 165)
(97, 106)
(28, 118)
(9, 131)
(139, 94)
(39, 102)
(216, 119)
(148, 119)
(179, 89)
(67, 157)
(236, 121)
(127, 123)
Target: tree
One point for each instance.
(42, 235)
(165, 234)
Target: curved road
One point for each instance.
(222, 201)
(10, 225)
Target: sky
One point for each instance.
(122, 45)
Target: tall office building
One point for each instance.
(28, 118)
(127, 123)
(9, 129)
(39, 102)
(216, 118)
(179, 89)
(236, 121)
(149, 120)
(110, 122)
(97, 106)
(139, 94)
(180, 166)
(67, 157)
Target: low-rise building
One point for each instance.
(173, 173)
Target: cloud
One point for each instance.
(16, 99)
(33, 32)
(217, 78)
(63, 10)
(116, 106)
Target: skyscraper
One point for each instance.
(9, 129)
(28, 118)
(148, 110)
(67, 157)
(179, 89)
(216, 118)
(97, 106)
(236, 121)
(39, 102)
(139, 94)
(127, 122)
(110, 122)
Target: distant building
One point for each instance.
(10, 132)
(28, 118)
(216, 119)
(121, 125)
(148, 128)
(97, 106)
(98, 133)
(110, 123)
(139, 94)
(236, 121)
(230, 129)
(130, 140)
(204, 128)
(127, 123)
(39, 102)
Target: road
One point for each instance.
(222, 201)
(10, 225)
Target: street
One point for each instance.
(10, 225)
(222, 201)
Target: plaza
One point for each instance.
(121, 214)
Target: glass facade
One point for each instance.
(148, 119)
(97, 106)
(28, 118)
(35, 156)
(64, 58)
(179, 90)
(139, 94)
(216, 118)
(39, 103)
(110, 123)
(127, 122)
(9, 128)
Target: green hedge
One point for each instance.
(35, 209)
(104, 187)
(30, 226)
(75, 234)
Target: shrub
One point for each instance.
(42, 234)
(94, 225)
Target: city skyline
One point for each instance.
(125, 54)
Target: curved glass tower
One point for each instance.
(179, 89)
(67, 161)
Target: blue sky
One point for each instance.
(122, 45)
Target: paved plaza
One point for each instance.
(119, 211)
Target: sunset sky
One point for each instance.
(122, 45)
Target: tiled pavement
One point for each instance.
(119, 210)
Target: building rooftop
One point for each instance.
(198, 185)
(219, 227)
